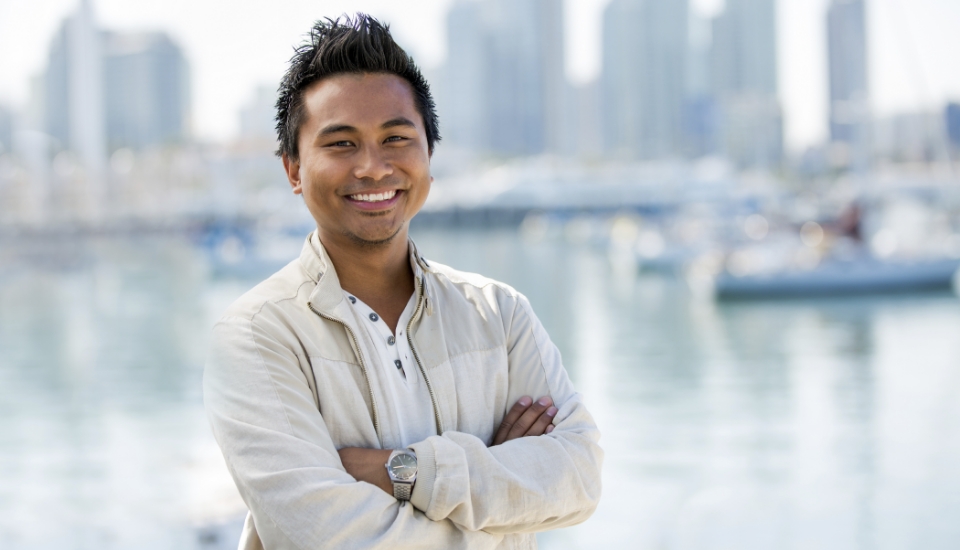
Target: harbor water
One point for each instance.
(830, 424)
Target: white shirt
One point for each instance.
(412, 406)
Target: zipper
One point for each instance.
(433, 397)
(356, 344)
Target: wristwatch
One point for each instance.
(402, 469)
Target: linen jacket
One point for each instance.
(288, 382)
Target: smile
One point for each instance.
(374, 197)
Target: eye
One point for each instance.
(343, 143)
(395, 139)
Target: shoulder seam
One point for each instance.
(487, 282)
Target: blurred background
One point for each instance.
(739, 220)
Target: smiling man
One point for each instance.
(362, 396)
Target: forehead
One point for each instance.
(359, 99)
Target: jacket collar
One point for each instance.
(328, 293)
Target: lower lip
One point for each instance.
(377, 205)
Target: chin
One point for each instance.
(375, 238)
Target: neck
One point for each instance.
(378, 274)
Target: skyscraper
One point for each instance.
(146, 86)
(257, 119)
(643, 77)
(74, 89)
(847, 61)
(461, 94)
(744, 83)
(745, 48)
(504, 89)
(106, 90)
(6, 130)
(951, 115)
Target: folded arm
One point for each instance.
(527, 418)
(527, 484)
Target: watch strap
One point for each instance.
(401, 491)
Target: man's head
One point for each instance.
(339, 46)
(357, 128)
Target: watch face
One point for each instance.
(403, 467)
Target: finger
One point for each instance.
(513, 415)
(540, 426)
(529, 417)
(549, 429)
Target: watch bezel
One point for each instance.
(395, 456)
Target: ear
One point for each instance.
(292, 168)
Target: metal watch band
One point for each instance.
(401, 491)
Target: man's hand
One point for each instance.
(368, 465)
(525, 418)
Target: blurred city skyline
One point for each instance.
(908, 51)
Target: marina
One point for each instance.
(755, 424)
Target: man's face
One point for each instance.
(364, 167)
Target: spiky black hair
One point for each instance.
(360, 44)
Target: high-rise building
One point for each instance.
(461, 93)
(6, 130)
(504, 89)
(745, 48)
(952, 119)
(106, 90)
(744, 83)
(146, 87)
(258, 119)
(700, 118)
(643, 78)
(73, 113)
(847, 61)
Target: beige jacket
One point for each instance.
(288, 382)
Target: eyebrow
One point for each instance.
(392, 123)
(399, 121)
(335, 128)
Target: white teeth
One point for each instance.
(375, 197)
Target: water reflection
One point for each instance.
(830, 424)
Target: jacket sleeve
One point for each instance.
(527, 484)
(284, 462)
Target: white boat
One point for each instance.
(862, 275)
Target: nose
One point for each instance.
(373, 164)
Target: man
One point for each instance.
(362, 396)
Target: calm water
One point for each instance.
(829, 425)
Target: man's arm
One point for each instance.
(527, 484)
(525, 419)
(284, 462)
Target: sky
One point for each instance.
(235, 45)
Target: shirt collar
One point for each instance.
(328, 293)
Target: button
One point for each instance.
(374, 317)
(353, 300)
(398, 364)
(391, 340)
